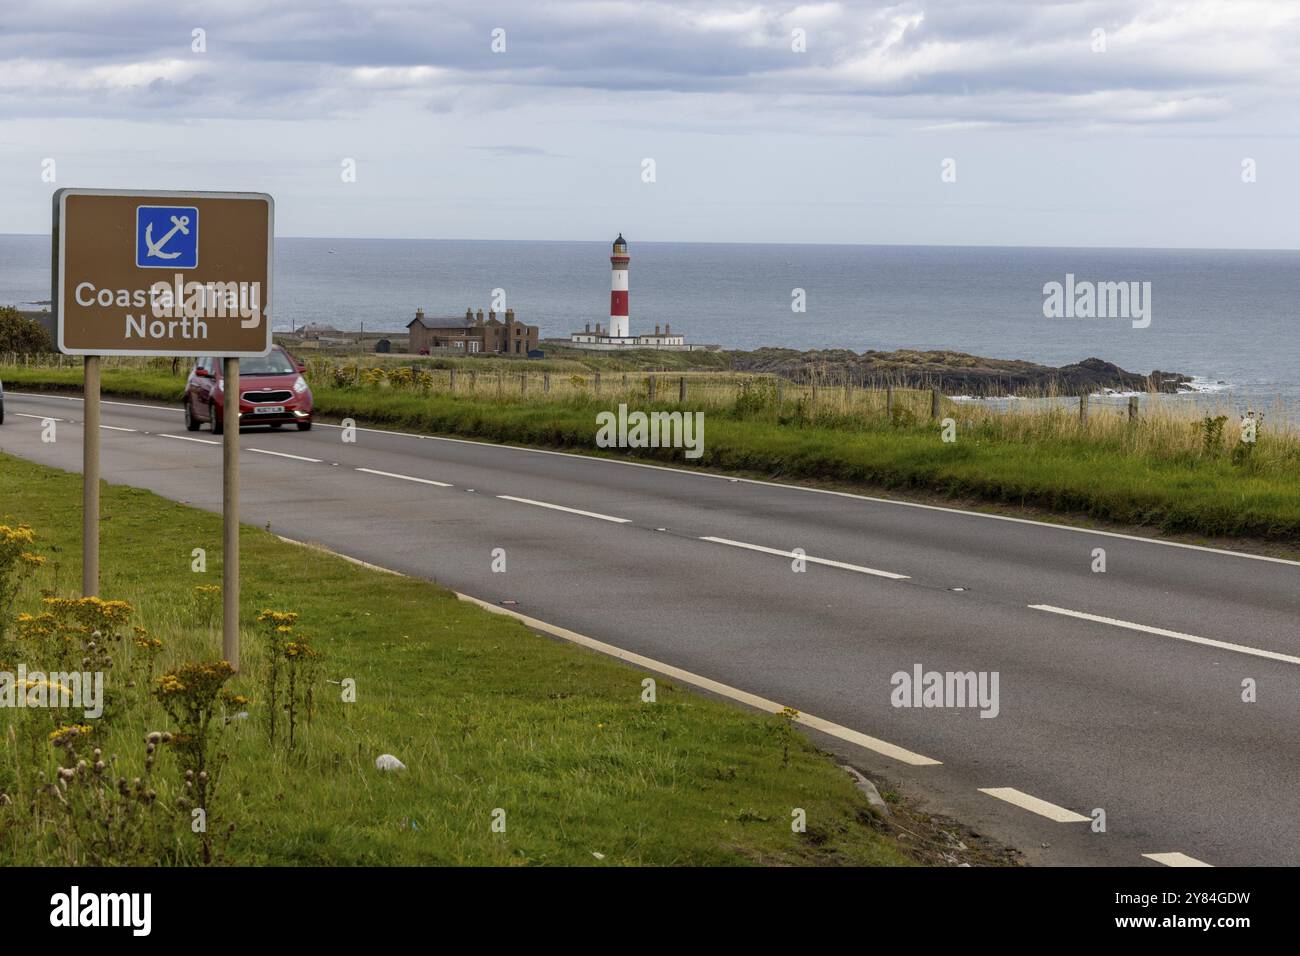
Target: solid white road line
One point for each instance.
(389, 474)
(759, 481)
(1176, 859)
(1177, 635)
(1034, 805)
(281, 454)
(723, 690)
(117, 428)
(43, 418)
(686, 677)
(201, 441)
(572, 511)
(826, 561)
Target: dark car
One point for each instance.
(272, 392)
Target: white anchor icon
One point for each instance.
(179, 224)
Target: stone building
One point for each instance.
(473, 334)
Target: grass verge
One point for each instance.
(485, 714)
(1160, 471)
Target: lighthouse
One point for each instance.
(618, 289)
(618, 336)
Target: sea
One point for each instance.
(1229, 318)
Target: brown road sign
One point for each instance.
(162, 273)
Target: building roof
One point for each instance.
(457, 322)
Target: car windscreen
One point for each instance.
(276, 363)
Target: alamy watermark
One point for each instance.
(1098, 300)
(922, 688)
(37, 689)
(132, 911)
(651, 430)
(185, 304)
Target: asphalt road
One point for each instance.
(1136, 709)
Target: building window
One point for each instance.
(473, 346)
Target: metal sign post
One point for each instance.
(164, 273)
(90, 481)
(230, 519)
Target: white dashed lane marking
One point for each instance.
(390, 474)
(1177, 635)
(809, 558)
(572, 511)
(201, 441)
(281, 454)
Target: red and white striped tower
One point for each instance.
(618, 289)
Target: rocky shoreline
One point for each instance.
(955, 373)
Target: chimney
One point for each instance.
(668, 329)
(419, 314)
(492, 313)
(510, 315)
(478, 319)
(587, 328)
(469, 315)
(656, 328)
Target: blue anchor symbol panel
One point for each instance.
(166, 237)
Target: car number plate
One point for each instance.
(269, 410)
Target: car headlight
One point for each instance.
(300, 385)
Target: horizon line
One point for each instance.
(753, 242)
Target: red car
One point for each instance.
(272, 392)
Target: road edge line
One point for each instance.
(830, 728)
(1027, 801)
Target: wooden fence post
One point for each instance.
(889, 402)
(652, 388)
(597, 382)
(681, 390)
(546, 381)
(1083, 409)
(1132, 408)
(934, 402)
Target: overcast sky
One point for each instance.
(1055, 141)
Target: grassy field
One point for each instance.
(1173, 468)
(484, 713)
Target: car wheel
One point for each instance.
(304, 426)
(191, 424)
(214, 419)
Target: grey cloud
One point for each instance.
(1002, 61)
